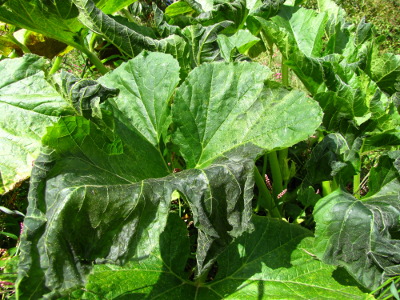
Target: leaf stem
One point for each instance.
(277, 186)
(95, 60)
(283, 163)
(91, 55)
(326, 188)
(357, 185)
(128, 15)
(270, 204)
(285, 72)
(357, 177)
(56, 65)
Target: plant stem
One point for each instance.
(357, 177)
(92, 42)
(283, 163)
(13, 54)
(326, 188)
(128, 15)
(357, 186)
(56, 65)
(260, 193)
(95, 60)
(277, 186)
(82, 46)
(270, 204)
(285, 72)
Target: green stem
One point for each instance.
(357, 177)
(199, 281)
(128, 15)
(270, 204)
(260, 194)
(357, 185)
(326, 188)
(265, 163)
(56, 65)
(283, 163)
(277, 186)
(94, 60)
(13, 54)
(285, 72)
(242, 25)
(270, 45)
(91, 55)
(92, 42)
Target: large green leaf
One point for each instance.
(148, 92)
(275, 261)
(362, 235)
(105, 167)
(108, 155)
(222, 106)
(28, 104)
(56, 19)
(116, 216)
(306, 27)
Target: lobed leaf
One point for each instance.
(222, 106)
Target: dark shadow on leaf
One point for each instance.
(343, 277)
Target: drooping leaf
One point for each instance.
(339, 77)
(85, 96)
(233, 10)
(222, 106)
(203, 45)
(265, 9)
(129, 41)
(273, 261)
(28, 103)
(56, 19)
(362, 235)
(206, 5)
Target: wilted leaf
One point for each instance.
(361, 235)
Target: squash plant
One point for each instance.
(115, 160)
(101, 189)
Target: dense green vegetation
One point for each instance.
(203, 150)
